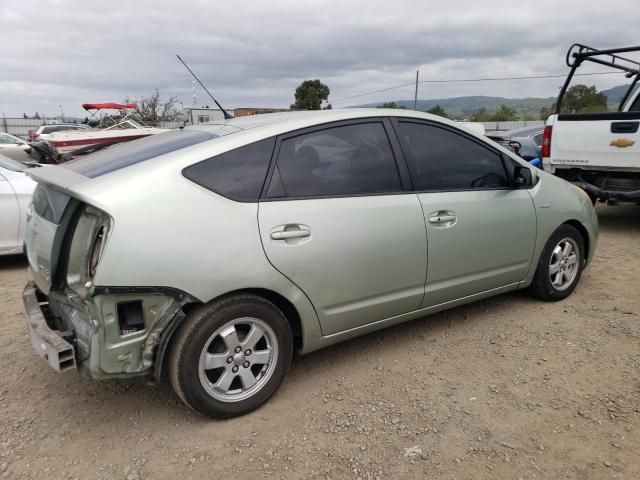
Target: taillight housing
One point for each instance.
(33, 135)
(96, 251)
(545, 149)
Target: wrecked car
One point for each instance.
(217, 251)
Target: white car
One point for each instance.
(14, 147)
(43, 132)
(16, 190)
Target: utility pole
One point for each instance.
(415, 98)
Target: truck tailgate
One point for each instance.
(596, 141)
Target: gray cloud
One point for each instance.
(255, 53)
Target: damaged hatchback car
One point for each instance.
(215, 252)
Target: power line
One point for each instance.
(460, 80)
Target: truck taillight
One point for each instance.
(545, 149)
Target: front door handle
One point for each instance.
(442, 218)
(284, 235)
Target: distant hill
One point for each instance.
(615, 94)
(465, 106)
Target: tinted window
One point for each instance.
(129, 153)
(635, 107)
(347, 160)
(440, 159)
(537, 139)
(238, 174)
(56, 129)
(49, 204)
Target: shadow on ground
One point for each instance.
(13, 262)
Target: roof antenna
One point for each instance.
(226, 114)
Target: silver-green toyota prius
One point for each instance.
(215, 252)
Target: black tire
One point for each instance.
(542, 286)
(197, 330)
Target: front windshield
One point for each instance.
(9, 164)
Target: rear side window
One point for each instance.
(57, 129)
(440, 159)
(49, 204)
(129, 153)
(345, 160)
(237, 174)
(537, 139)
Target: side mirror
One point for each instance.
(522, 176)
(515, 146)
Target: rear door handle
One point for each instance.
(283, 235)
(442, 218)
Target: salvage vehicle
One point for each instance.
(599, 152)
(15, 196)
(44, 132)
(217, 251)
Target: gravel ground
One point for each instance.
(504, 388)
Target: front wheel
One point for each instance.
(230, 356)
(560, 265)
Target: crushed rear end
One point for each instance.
(74, 322)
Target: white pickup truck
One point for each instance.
(600, 152)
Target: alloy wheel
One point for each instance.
(563, 266)
(238, 359)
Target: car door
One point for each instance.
(481, 230)
(9, 215)
(336, 220)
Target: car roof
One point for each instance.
(284, 121)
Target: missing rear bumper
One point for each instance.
(47, 343)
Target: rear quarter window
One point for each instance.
(49, 203)
(237, 174)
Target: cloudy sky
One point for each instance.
(254, 53)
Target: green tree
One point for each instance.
(310, 94)
(506, 114)
(438, 110)
(391, 105)
(581, 98)
(153, 109)
(546, 111)
(481, 115)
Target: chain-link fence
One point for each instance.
(19, 126)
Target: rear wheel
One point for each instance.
(230, 356)
(560, 265)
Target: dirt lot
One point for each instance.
(504, 388)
